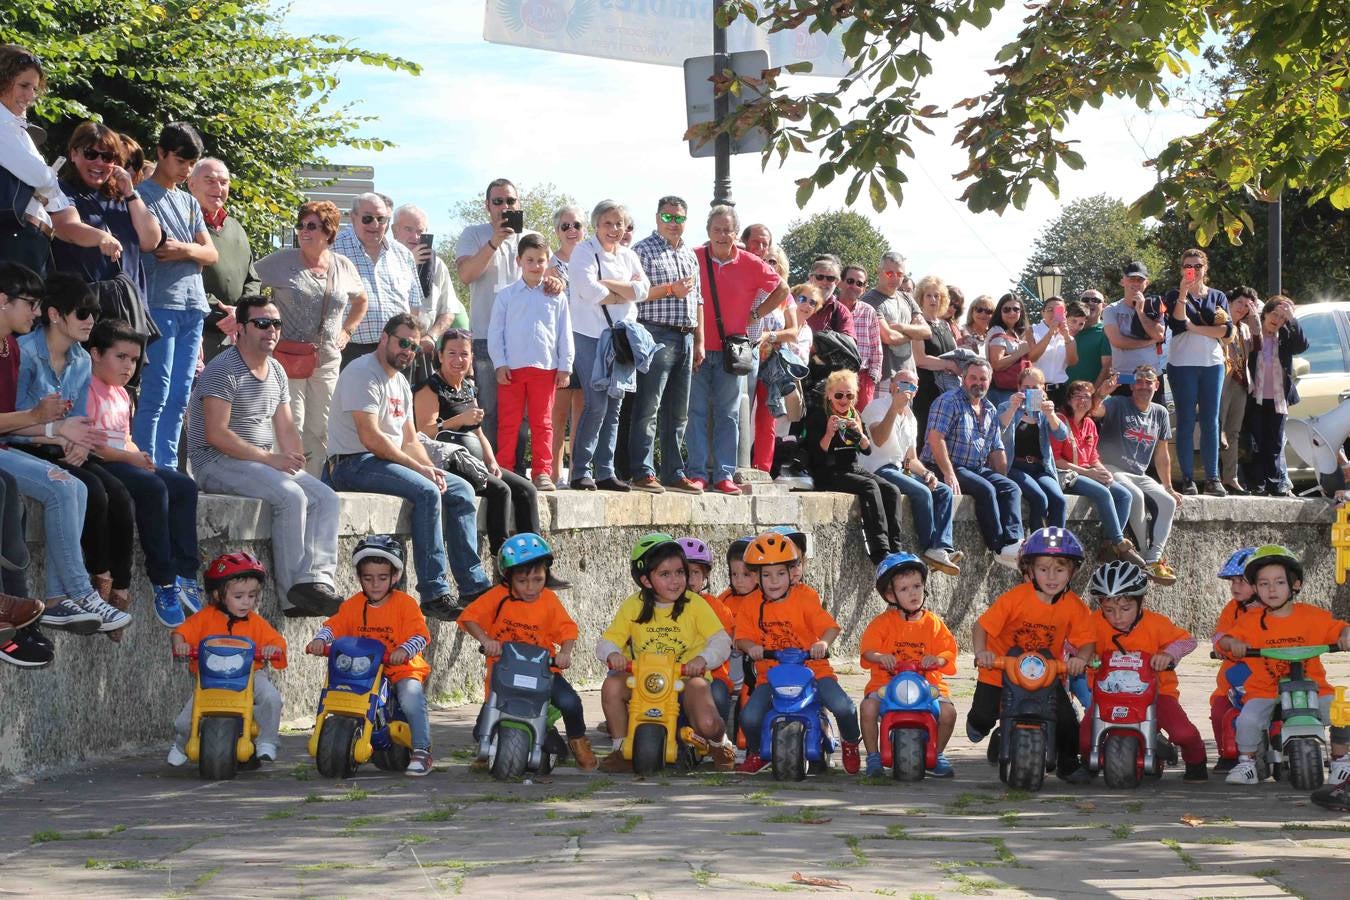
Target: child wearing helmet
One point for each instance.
(742, 593)
(789, 616)
(522, 608)
(1277, 575)
(1232, 672)
(233, 586)
(1122, 623)
(382, 612)
(698, 562)
(664, 616)
(1039, 615)
(906, 631)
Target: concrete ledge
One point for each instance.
(102, 698)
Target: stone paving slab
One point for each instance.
(134, 827)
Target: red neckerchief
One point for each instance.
(215, 221)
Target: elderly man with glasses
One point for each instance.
(387, 268)
(832, 315)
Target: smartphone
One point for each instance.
(1059, 315)
(514, 219)
(1035, 397)
(1125, 378)
(424, 269)
(909, 387)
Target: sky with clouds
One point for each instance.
(601, 128)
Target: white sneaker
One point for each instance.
(266, 752)
(1340, 770)
(113, 618)
(1244, 773)
(176, 756)
(1007, 562)
(956, 556)
(941, 560)
(1011, 550)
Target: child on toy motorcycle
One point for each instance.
(1039, 615)
(789, 616)
(1121, 623)
(233, 585)
(522, 609)
(1242, 597)
(698, 559)
(906, 631)
(664, 616)
(1277, 575)
(393, 618)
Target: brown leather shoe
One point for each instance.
(723, 756)
(615, 764)
(20, 611)
(582, 753)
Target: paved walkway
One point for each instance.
(137, 828)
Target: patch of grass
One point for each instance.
(703, 876)
(1266, 873)
(854, 845)
(464, 754)
(1134, 807)
(897, 833)
(918, 896)
(120, 864)
(1009, 818)
(972, 886)
(302, 772)
(1071, 838)
(967, 799)
(313, 797)
(599, 784)
(1003, 853)
(745, 833)
(1121, 832)
(334, 866)
(628, 824)
(884, 892)
(205, 878)
(1311, 826)
(48, 835)
(876, 780)
(804, 815)
(356, 823)
(716, 779)
(1214, 841)
(775, 886)
(1016, 795)
(762, 798)
(415, 838)
(440, 814)
(283, 813)
(355, 794)
(1175, 847)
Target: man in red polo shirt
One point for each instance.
(730, 280)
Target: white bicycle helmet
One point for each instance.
(1118, 579)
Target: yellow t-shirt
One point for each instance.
(685, 637)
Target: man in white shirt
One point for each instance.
(1061, 352)
(440, 306)
(387, 268)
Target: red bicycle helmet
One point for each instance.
(239, 564)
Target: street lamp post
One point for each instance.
(1049, 281)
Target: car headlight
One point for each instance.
(220, 664)
(654, 683)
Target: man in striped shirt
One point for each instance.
(387, 268)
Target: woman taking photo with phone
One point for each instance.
(1011, 348)
(1029, 422)
(1197, 317)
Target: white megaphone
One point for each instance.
(1316, 440)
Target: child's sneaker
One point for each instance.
(113, 618)
(176, 755)
(169, 606)
(1225, 765)
(852, 761)
(1244, 773)
(582, 753)
(874, 769)
(1080, 774)
(943, 768)
(1196, 773)
(420, 764)
(189, 594)
(1340, 769)
(266, 752)
(753, 763)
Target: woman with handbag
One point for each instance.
(322, 299)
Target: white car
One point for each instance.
(1323, 372)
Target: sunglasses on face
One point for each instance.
(983, 311)
(504, 201)
(672, 217)
(405, 343)
(820, 276)
(841, 395)
(85, 313)
(368, 218)
(265, 323)
(1012, 309)
(806, 301)
(90, 154)
(570, 226)
(311, 226)
(855, 282)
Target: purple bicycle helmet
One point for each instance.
(696, 551)
(1052, 541)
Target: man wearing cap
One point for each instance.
(1094, 350)
(1134, 328)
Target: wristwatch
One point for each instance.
(134, 195)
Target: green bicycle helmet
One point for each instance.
(649, 551)
(1273, 553)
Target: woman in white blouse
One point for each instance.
(605, 279)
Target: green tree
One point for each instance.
(262, 98)
(848, 235)
(1090, 240)
(1275, 104)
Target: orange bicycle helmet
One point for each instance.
(771, 549)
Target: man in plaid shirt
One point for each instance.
(866, 331)
(673, 313)
(387, 268)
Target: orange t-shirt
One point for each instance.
(738, 603)
(1153, 632)
(907, 639)
(1231, 615)
(728, 620)
(212, 621)
(1305, 625)
(797, 621)
(1019, 618)
(542, 622)
(391, 623)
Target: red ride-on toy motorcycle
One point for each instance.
(1126, 742)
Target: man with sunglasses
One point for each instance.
(900, 320)
(387, 268)
(832, 315)
(441, 309)
(243, 442)
(175, 294)
(673, 314)
(232, 275)
(1094, 350)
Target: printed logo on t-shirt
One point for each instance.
(396, 407)
(663, 637)
(1033, 636)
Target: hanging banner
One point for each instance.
(661, 32)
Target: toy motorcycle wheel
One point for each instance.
(649, 749)
(789, 750)
(1120, 761)
(1026, 759)
(218, 737)
(395, 759)
(909, 752)
(510, 752)
(337, 741)
(1304, 756)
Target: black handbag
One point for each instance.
(623, 350)
(465, 460)
(738, 354)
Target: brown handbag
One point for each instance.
(300, 358)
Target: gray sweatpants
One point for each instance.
(266, 712)
(1255, 719)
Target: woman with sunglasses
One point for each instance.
(322, 299)
(834, 440)
(1010, 347)
(956, 306)
(936, 375)
(1198, 320)
(570, 231)
(979, 321)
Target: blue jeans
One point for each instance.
(1192, 387)
(442, 523)
(598, 429)
(663, 387)
(1113, 503)
(932, 510)
(166, 517)
(485, 379)
(713, 394)
(413, 701)
(166, 383)
(568, 702)
(998, 505)
(1045, 500)
(832, 697)
(63, 499)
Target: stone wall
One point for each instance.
(100, 698)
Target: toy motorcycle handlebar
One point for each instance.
(773, 654)
(193, 654)
(552, 660)
(1294, 654)
(684, 668)
(911, 666)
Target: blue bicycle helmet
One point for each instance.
(523, 549)
(1236, 567)
(795, 535)
(894, 564)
